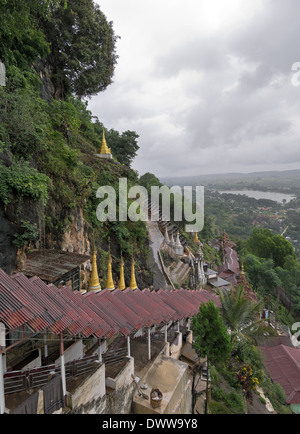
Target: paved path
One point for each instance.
(156, 239)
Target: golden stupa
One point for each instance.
(122, 285)
(94, 280)
(104, 149)
(133, 284)
(109, 280)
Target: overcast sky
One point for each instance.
(207, 84)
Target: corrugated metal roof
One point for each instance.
(40, 306)
(107, 312)
(137, 297)
(125, 325)
(177, 303)
(127, 311)
(109, 326)
(50, 265)
(103, 314)
(52, 313)
(62, 321)
(157, 305)
(167, 311)
(283, 365)
(32, 311)
(133, 304)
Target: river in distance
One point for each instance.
(276, 197)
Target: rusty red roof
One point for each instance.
(138, 297)
(283, 365)
(108, 311)
(40, 306)
(110, 328)
(13, 313)
(62, 320)
(31, 301)
(132, 303)
(132, 316)
(27, 307)
(165, 312)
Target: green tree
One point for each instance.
(123, 146)
(208, 230)
(290, 279)
(242, 316)
(264, 244)
(148, 180)
(21, 39)
(211, 338)
(261, 273)
(261, 243)
(282, 249)
(83, 57)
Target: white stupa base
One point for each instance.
(104, 156)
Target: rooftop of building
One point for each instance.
(50, 265)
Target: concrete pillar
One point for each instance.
(62, 366)
(128, 346)
(2, 346)
(45, 344)
(149, 344)
(99, 351)
(2, 396)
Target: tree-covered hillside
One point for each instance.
(55, 54)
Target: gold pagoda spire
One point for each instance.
(109, 280)
(196, 239)
(122, 280)
(94, 280)
(133, 284)
(104, 148)
(242, 268)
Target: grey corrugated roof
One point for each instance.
(50, 265)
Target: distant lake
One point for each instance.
(276, 197)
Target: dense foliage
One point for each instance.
(55, 53)
(82, 55)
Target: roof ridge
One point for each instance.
(290, 351)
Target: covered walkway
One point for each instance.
(29, 308)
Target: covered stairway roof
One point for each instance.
(283, 365)
(31, 302)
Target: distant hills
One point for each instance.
(285, 181)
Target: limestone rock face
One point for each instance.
(8, 252)
(75, 238)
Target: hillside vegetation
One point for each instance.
(56, 53)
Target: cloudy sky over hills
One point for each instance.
(207, 84)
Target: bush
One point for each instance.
(29, 232)
(215, 377)
(218, 408)
(235, 402)
(217, 393)
(22, 180)
(276, 395)
(230, 377)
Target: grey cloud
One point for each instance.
(240, 106)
